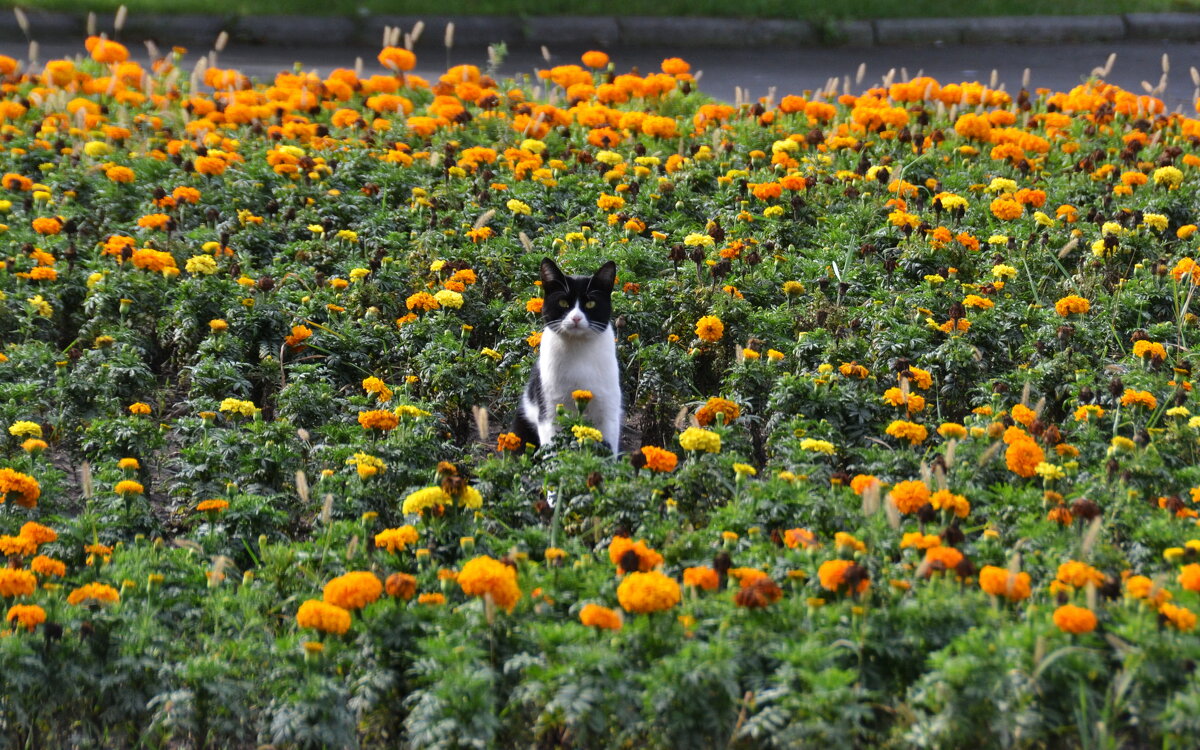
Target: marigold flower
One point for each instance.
(707, 414)
(1139, 398)
(658, 459)
(422, 500)
(697, 439)
(1023, 457)
(397, 539)
(1078, 575)
(378, 419)
(48, 567)
(710, 329)
(623, 551)
(323, 616)
(1072, 304)
(834, 574)
(642, 593)
(27, 616)
(508, 441)
(914, 433)
(1072, 619)
(354, 590)
(909, 496)
(802, 538)
(400, 585)
(1180, 618)
(1189, 577)
(129, 487)
(486, 576)
(215, 505)
(601, 618)
(100, 593)
(701, 577)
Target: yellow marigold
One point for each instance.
(953, 430)
(1072, 619)
(129, 487)
(88, 593)
(920, 541)
(595, 616)
(353, 590)
(1072, 304)
(1023, 456)
(48, 567)
(833, 575)
(484, 576)
(701, 578)
(319, 615)
(697, 439)
(642, 593)
(710, 328)
(27, 616)
(818, 446)
(422, 500)
(910, 496)
(848, 542)
(707, 414)
(658, 459)
(25, 428)
(395, 540)
(912, 432)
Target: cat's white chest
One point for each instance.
(568, 364)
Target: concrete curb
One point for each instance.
(617, 31)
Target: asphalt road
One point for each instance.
(787, 71)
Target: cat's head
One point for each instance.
(577, 305)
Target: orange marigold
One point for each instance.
(378, 419)
(319, 615)
(659, 459)
(624, 552)
(710, 329)
(1072, 619)
(702, 577)
(27, 616)
(836, 573)
(910, 496)
(487, 576)
(1002, 582)
(353, 590)
(603, 618)
(1023, 456)
(707, 414)
(100, 593)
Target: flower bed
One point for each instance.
(911, 454)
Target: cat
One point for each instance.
(577, 352)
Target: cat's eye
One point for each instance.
(590, 304)
(563, 303)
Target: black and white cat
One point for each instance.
(577, 353)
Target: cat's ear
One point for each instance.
(551, 274)
(607, 275)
